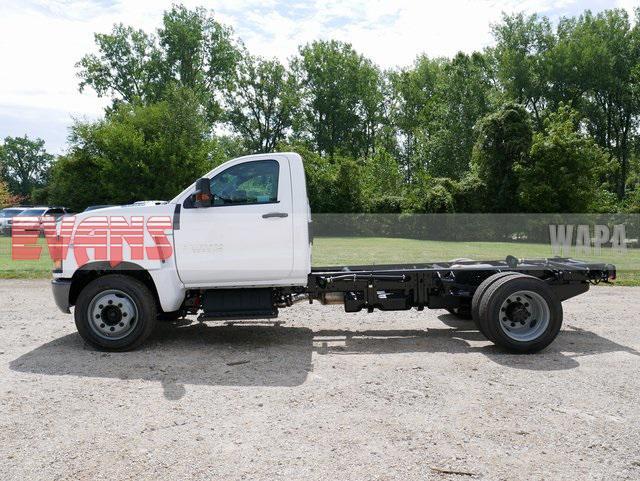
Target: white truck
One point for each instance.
(240, 247)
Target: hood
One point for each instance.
(128, 211)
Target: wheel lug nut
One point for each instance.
(100, 306)
(109, 301)
(112, 328)
(513, 324)
(122, 324)
(119, 305)
(102, 326)
(124, 314)
(97, 316)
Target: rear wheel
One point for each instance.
(520, 313)
(115, 312)
(479, 293)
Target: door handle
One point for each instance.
(274, 214)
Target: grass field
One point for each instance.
(10, 269)
(331, 251)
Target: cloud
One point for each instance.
(42, 40)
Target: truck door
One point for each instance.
(246, 236)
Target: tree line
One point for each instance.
(545, 120)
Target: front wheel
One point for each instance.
(115, 313)
(520, 313)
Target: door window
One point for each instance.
(247, 183)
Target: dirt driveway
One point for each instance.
(326, 396)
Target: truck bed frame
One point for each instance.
(442, 285)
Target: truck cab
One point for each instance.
(251, 233)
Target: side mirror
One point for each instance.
(202, 195)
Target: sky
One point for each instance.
(41, 41)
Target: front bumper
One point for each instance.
(61, 288)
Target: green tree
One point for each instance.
(225, 147)
(347, 186)
(200, 54)
(597, 61)
(26, 163)
(462, 98)
(433, 195)
(504, 140)
(434, 108)
(191, 50)
(320, 174)
(370, 138)
(137, 152)
(521, 52)
(333, 185)
(6, 198)
(77, 182)
(129, 66)
(413, 109)
(262, 106)
(633, 202)
(472, 195)
(559, 174)
(381, 184)
(341, 98)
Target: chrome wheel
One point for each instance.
(112, 314)
(524, 316)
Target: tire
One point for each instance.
(126, 306)
(460, 312)
(520, 313)
(477, 296)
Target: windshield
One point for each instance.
(9, 212)
(32, 212)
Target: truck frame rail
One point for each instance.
(443, 285)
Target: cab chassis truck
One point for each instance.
(241, 247)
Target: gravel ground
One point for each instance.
(328, 395)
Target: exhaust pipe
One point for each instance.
(329, 298)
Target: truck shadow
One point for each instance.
(462, 337)
(571, 344)
(182, 353)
